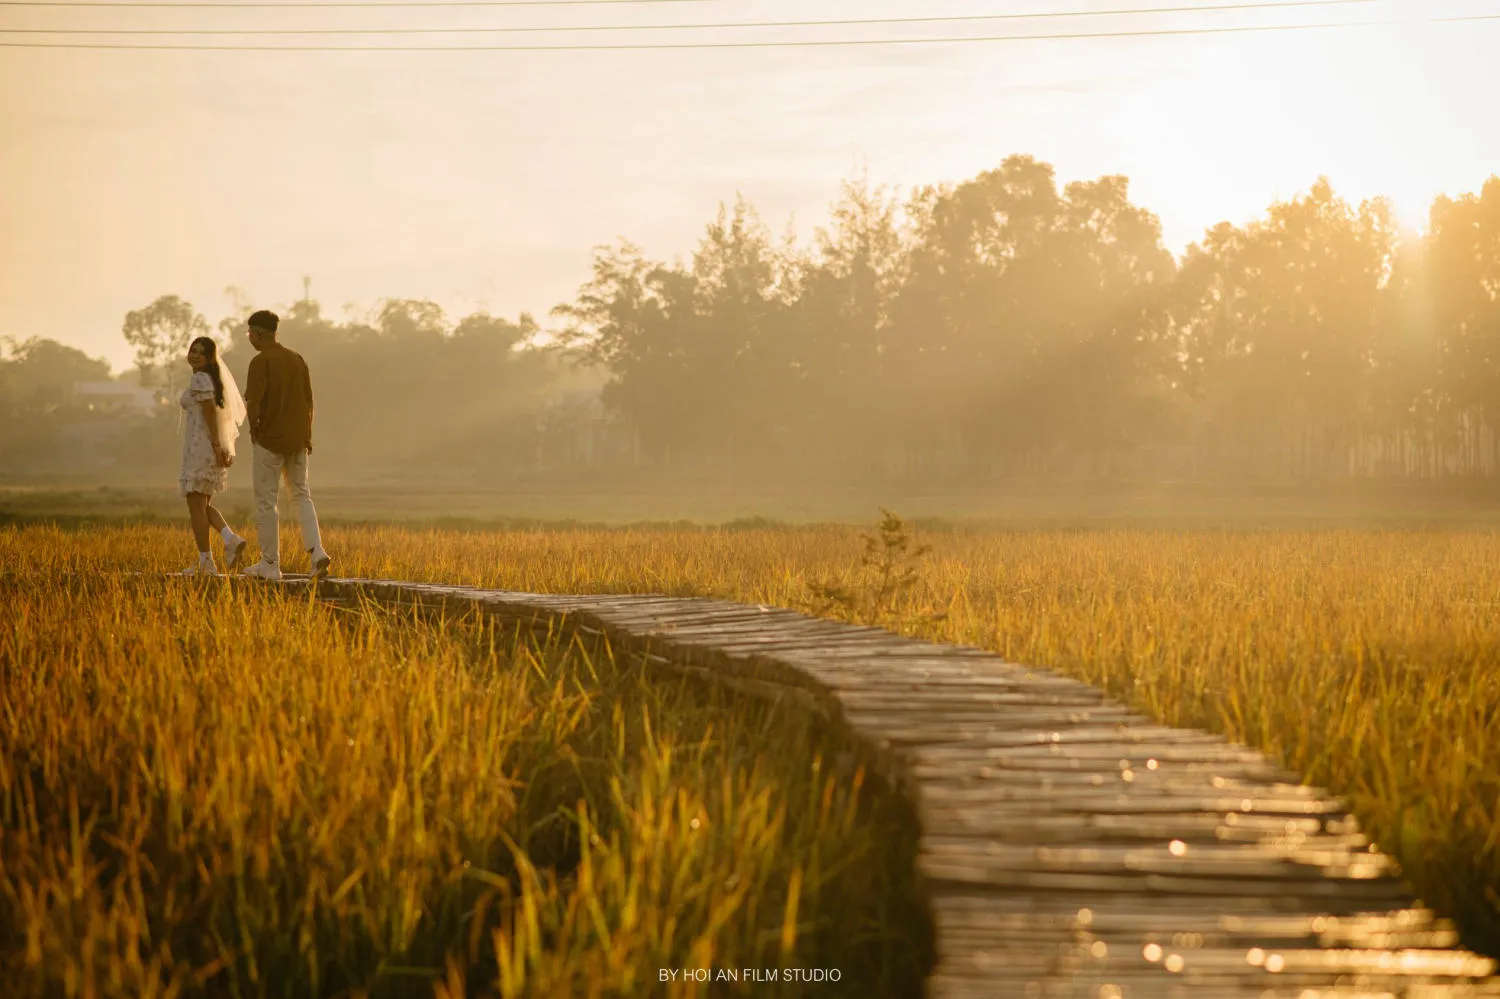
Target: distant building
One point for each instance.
(117, 397)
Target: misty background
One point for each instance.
(1004, 328)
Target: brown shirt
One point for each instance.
(279, 401)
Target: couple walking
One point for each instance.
(278, 405)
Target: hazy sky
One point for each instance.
(483, 179)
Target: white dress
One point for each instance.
(200, 469)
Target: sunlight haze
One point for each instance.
(481, 180)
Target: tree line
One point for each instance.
(403, 394)
(1001, 326)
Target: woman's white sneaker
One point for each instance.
(320, 563)
(264, 570)
(203, 567)
(234, 550)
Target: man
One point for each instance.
(279, 412)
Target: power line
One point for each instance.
(351, 3)
(949, 19)
(801, 43)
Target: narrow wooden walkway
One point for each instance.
(1070, 847)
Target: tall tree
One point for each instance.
(160, 334)
(837, 335)
(1026, 320)
(1463, 253)
(691, 350)
(628, 318)
(1106, 357)
(412, 319)
(1279, 322)
(735, 361)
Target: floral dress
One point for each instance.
(201, 472)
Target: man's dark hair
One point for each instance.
(265, 320)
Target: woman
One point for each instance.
(214, 412)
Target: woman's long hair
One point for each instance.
(212, 350)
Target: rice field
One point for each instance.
(208, 792)
(181, 802)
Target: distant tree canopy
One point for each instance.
(161, 334)
(36, 394)
(999, 326)
(405, 395)
(38, 375)
(1004, 326)
(410, 390)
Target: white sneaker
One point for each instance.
(203, 567)
(234, 549)
(264, 570)
(320, 563)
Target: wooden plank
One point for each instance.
(676, 615)
(774, 643)
(676, 604)
(1124, 757)
(732, 631)
(945, 778)
(888, 680)
(1045, 796)
(912, 649)
(946, 786)
(752, 625)
(691, 622)
(1262, 882)
(1189, 827)
(698, 608)
(873, 647)
(1108, 731)
(1293, 860)
(993, 702)
(723, 629)
(1128, 917)
(1231, 913)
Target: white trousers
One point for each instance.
(270, 469)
